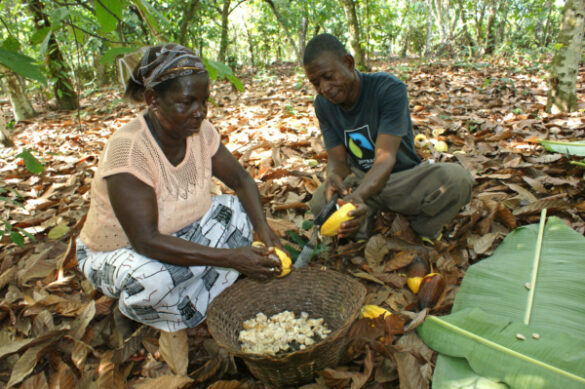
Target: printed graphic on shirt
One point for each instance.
(361, 146)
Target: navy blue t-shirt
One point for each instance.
(381, 108)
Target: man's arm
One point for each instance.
(384, 161)
(372, 183)
(337, 170)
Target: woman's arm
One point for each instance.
(227, 168)
(135, 206)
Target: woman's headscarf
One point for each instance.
(162, 63)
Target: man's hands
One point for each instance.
(334, 183)
(350, 227)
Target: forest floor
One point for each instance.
(57, 331)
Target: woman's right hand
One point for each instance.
(259, 263)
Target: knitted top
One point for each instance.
(182, 191)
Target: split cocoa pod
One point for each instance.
(285, 260)
(373, 311)
(431, 288)
(415, 274)
(332, 224)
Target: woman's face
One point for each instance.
(181, 108)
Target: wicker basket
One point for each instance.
(322, 293)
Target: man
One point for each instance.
(366, 126)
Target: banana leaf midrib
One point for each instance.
(535, 267)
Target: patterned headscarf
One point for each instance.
(170, 62)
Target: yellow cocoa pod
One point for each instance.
(441, 147)
(332, 224)
(420, 141)
(373, 311)
(414, 283)
(285, 260)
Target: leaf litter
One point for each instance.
(57, 331)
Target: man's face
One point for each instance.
(334, 78)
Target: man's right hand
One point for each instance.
(334, 183)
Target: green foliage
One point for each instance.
(219, 71)
(17, 234)
(21, 64)
(108, 16)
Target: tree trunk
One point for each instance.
(429, 28)
(282, 24)
(251, 45)
(190, 11)
(480, 13)
(101, 77)
(491, 31)
(404, 50)
(545, 36)
(442, 16)
(354, 33)
(58, 69)
(225, 11)
(21, 106)
(303, 35)
(562, 95)
(466, 35)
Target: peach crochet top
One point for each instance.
(182, 191)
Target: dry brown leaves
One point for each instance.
(57, 331)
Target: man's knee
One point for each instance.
(317, 202)
(458, 180)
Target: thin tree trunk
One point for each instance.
(303, 34)
(354, 33)
(282, 24)
(101, 77)
(545, 36)
(58, 69)
(21, 106)
(404, 50)
(491, 31)
(562, 95)
(429, 27)
(466, 35)
(190, 11)
(225, 11)
(479, 22)
(251, 45)
(442, 16)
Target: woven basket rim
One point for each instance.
(332, 337)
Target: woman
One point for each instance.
(154, 237)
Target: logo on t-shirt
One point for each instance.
(361, 146)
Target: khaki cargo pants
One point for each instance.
(429, 195)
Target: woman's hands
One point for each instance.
(256, 262)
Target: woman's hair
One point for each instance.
(160, 65)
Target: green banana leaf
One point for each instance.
(534, 278)
(501, 348)
(571, 148)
